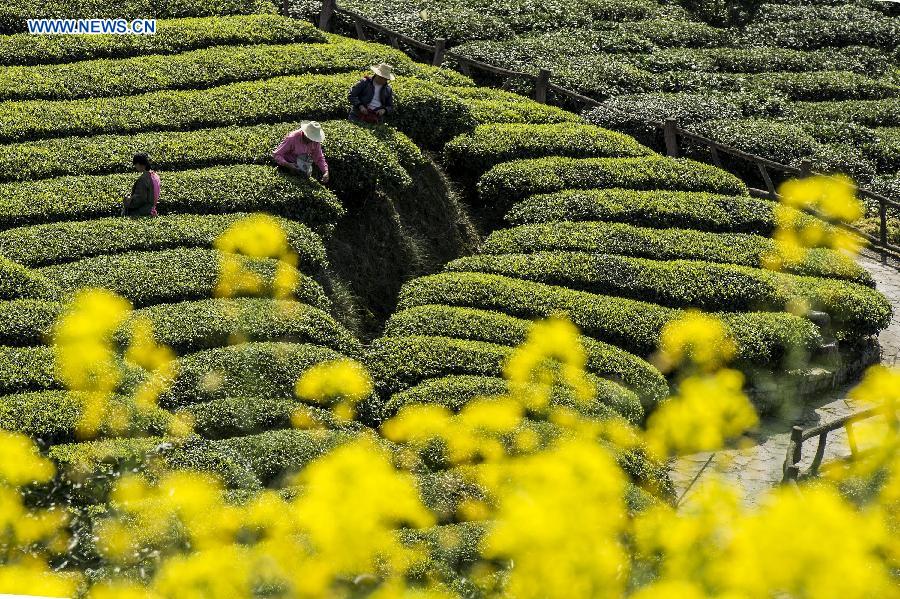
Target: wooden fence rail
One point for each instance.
(791, 467)
(674, 137)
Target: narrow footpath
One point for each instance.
(758, 466)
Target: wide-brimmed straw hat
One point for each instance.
(384, 70)
(313, 131)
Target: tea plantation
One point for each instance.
(575, 218)
(815, 80)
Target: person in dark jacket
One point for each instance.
(372, 98)
(144, 194)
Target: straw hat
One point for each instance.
(384, 70)
(313, 131)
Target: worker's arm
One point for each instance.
(319, 158)
(388, 99)
(282, 151)
(356, 93)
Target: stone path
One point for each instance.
(757, 467)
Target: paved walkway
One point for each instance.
(758, 466)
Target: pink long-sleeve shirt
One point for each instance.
(154, 179)
(295, 144)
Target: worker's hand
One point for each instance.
(326, 177)
(380, 112)
(363, 109)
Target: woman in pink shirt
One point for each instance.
(301, 149)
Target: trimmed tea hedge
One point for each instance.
(51, 417)
(423, 111)
(13, 15)
(761, 337)
(267, 370)
(824, 85)
(218, 190)
(272, 454)
(196, 69)
(776, 141)
(489, 145)
(172, 36)
(164, 276)
(26, 321)
(359, 159)
(194, 326)
(398, 363)
(26, 369)
(16, 281)
(659, 209)
(811, 27)
(236, 416)
(512, 181)
(492, 106)
(871, 113)
(494, 327)
(632, 112)
(456, 390)
(40, 245)
(666, 244)
(854, 309)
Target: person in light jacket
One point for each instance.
(301, 149)
(144, 196)
(372, 97)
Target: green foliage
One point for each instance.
(671, 33)
(195, 69)
(658, 209)
(51, 417)
(423, 111)
(489, 145)
(398, 363)
(27, 321)
(810, 27)
(493, 106)
(172, 36)
(512, 181)
(17, 281)
(824, 85)
(26, 369)
(776, 141)
(272, 454)
(267, 370)
(632, 112)
(237, 416)
(217, 190)
(604, 360)
(147, 278)
(14, 13)
(667, 244)
(854, 309)
(762, 338)
(871, 113)
(360, 159)
(193, 326)
(40, 245)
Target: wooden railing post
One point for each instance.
(770, 186)
(882, 228)
(360, 31)
(440, 47)
(805, 168)
(540, 86)
(670, 135)
(327, 14)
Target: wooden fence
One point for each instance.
(798, 436)
(675, 138)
